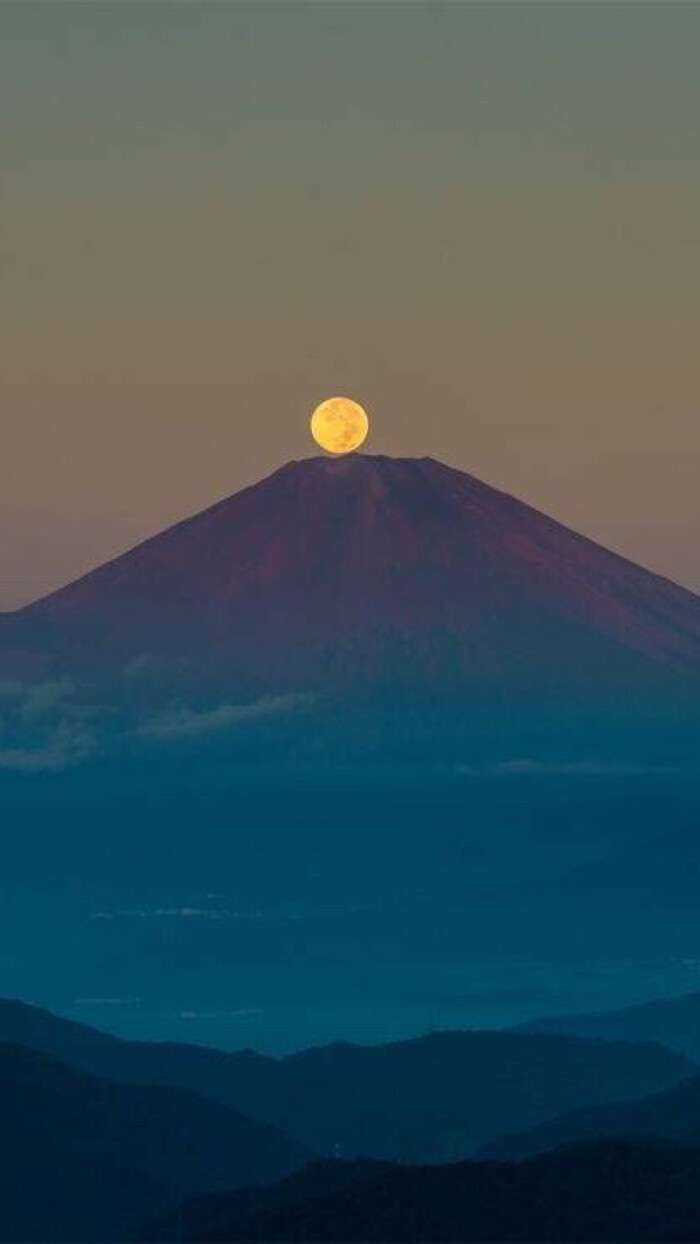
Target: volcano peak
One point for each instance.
(328, 561)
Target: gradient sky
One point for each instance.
(481, 220)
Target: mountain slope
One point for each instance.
(330, 571)
(610, 1191)
(86, 1159)
(671, 1115)
(431, 1099)
(674, 1022)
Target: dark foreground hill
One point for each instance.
(432, 1099)
(672, 1115)
(598, 1193)
(86, 1159)
(673, 1021)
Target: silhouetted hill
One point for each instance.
(673, 1115)
(431, 1099)
(87, 1159)
(674, 1022)
(604, 1192)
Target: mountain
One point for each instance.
(381, 712)
(672, 1115)
(86, 1159)
(334, 573)
(591, 1194)
(674, 1022)
(431, 1099)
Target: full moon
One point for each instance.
(339, 425)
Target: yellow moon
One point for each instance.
(339, 425)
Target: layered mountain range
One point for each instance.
(430, 1099)
(116, 1140)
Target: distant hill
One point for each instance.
(435, 1098)
(674, 1022)
(83, 1159)
(609, 1191)
(673, 1114)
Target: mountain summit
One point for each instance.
(341, 571)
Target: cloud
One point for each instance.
(42, 728)
(138, 665)
(167, 913)
(565, 768)
(240, 1012)
(41, 700)
(11, 690)
(106, 1002)
(189, 912)
(184, 722)
(64, 744)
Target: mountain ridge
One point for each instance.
(673, 1114)
(610, 1190)
(674, 1022)
(86, 1158)
(338, 572)
(321, 462)
(432, 1098)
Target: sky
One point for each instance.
(479, 220)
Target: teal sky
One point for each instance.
(480, 220)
